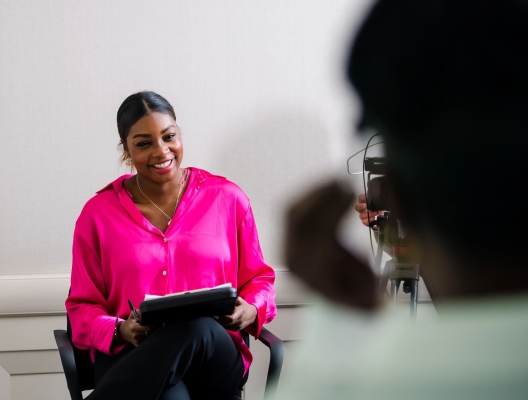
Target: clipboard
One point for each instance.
(210, 302)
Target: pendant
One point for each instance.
(170, 220)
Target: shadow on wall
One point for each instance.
(274, 157)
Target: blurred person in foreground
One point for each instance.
(446, 84)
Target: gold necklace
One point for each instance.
(177, 198)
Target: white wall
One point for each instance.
(258, 88)
(259, 91)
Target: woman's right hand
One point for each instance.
(361, 208)
(132, 331)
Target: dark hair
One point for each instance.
(445, 83)
(138, 105)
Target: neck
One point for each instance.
(160, 191)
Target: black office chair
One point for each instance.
(79, 370)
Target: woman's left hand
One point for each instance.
(244, 315)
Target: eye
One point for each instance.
(142, 144)
(170, 136)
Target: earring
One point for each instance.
(126, 158)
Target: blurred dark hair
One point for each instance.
(446, 84)
(138, 105)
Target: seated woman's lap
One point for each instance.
(176, 392)
(198, 352)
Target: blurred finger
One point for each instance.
(370, 212)
(362, 198)
(360, 207)
(371, 215)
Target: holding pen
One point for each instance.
(131, 330)
(133, 310)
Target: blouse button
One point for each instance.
(165, 239)
(164, 272)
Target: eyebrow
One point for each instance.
(147, 135)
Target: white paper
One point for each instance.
(153, 296)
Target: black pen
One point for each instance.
(133, 310)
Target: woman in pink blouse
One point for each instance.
(165, 230)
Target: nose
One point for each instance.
(161, 149)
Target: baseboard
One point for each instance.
(35, 294)
(44, 294)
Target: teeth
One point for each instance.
(163, 165)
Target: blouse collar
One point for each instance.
(196, 178)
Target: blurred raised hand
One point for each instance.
(314, 253)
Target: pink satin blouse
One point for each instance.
(118, 254)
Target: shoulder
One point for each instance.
(104, 199)
(218, 183)
(222, 188)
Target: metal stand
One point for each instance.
(397, 273)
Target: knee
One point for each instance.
(201, 327)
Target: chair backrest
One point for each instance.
(245, 337)
(83, 362)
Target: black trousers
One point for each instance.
(184, 360)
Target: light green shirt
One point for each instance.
(471, 350)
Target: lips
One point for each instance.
(162, 165)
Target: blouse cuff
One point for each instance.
(116, 347)
(255, 328)
(103, 334)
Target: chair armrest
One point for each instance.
(276, 347)
(68, 364)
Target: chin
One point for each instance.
(167, 176)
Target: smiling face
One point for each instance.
(155, 147)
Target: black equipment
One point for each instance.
(391, 236)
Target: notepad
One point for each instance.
(154, 296)
(215, 301)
